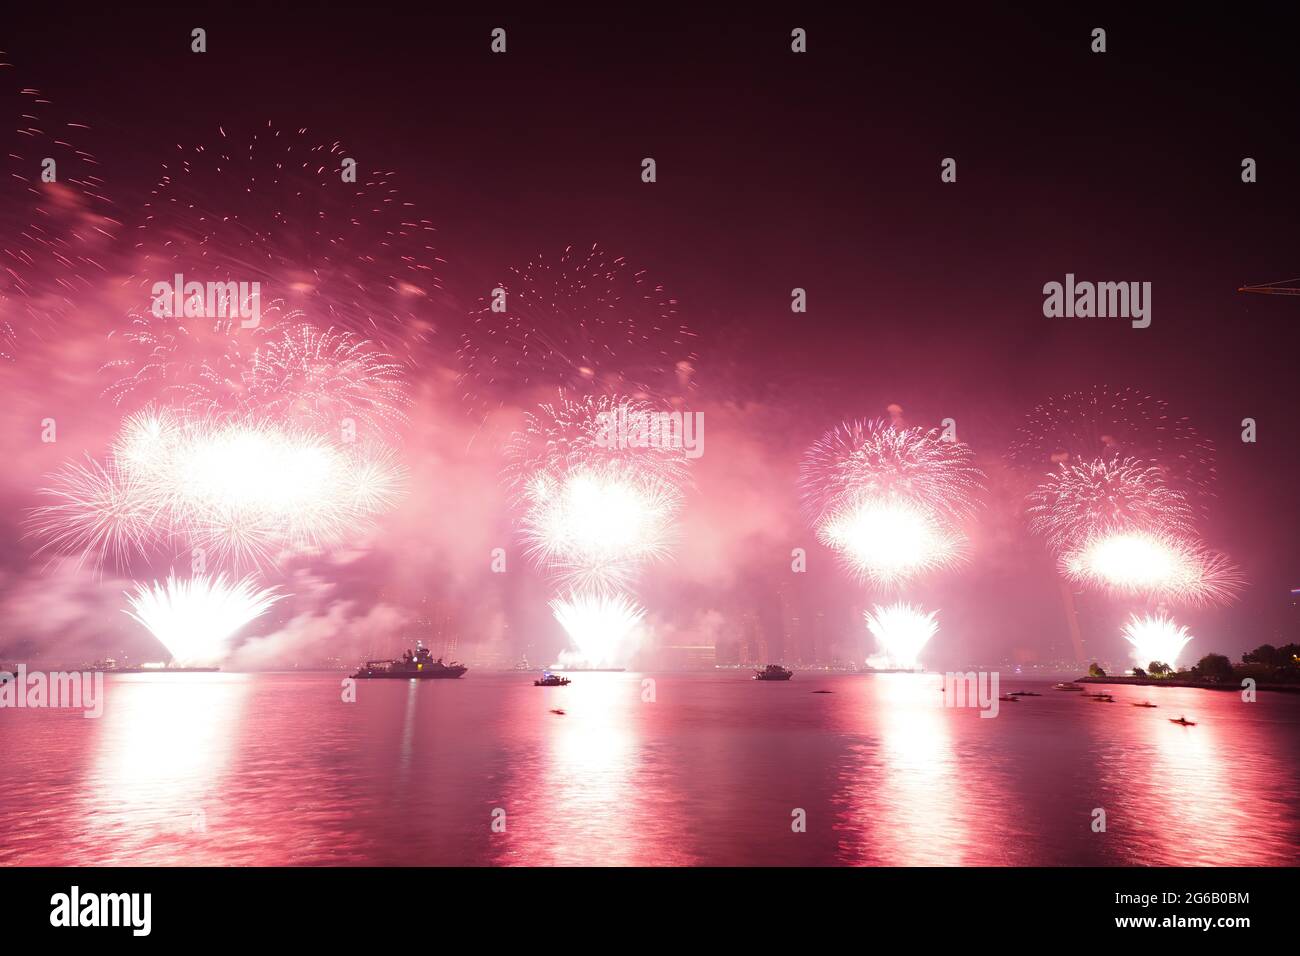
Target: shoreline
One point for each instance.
(1186, 682)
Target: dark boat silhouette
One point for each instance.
(1146, 703)
(419, 665)
(773, 672)
(1184, 721)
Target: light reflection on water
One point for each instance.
(236, 769)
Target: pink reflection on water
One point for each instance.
(583, 795)
(153, 790)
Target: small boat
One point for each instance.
(556, 710)
(823, 692)
(1183, 721)
(1010, 698)
(1023, 693)
(1102, 698)
(1067, 686)
(551, 680)
(773, 672)
(1146, 703)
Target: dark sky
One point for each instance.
(820, 171)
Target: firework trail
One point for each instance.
(901, 632)
(1155, 639)
(195, 619)
(599, 624)
(54, 236)
(352, 255)
(1166, 568)
(889, 499)
(244, 490)
(1103, 424)
(585, 323)
(1082, 500)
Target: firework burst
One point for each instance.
(594, 513)
(599, 624)
(243, 490)
(901, 632)
(889, 499)
(196, 619)
(1155, 638)
(1153, 565)
(1109, 424)
(1079, 500)
(583, 323)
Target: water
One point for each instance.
(235, 769)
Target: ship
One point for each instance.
(773, 672)
(417, 665)
(551, 680)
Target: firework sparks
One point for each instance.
(1080, 500)
(1155, 639)
(196, 619)
(594, 514)
(901, 632)
(889, 498)
(1109, 424)
(243, 490)
(353, 254)
(586, 322)
(1153, 565)
(599, 624)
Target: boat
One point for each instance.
(551, 680)
(1023, 693)
(773, 672)
(1067, 686)
(1010, 698)
(1102, 698)
(1183, 721)
(1146, 703)
(417, 665)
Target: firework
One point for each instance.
(1155, 639)
(323, 379)
(598, 623)
(243, 490)
(583, 323)
(1109, 424)
(889, 498)
(594, 512)
(55, 237)
(901, 632)
(1154, 565)
(352, 254)
(1080, 500)
(195, 619)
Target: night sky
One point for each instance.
(775, 171)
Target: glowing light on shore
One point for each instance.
(1155, 638)
(196, 619)
(598, 624)
(901, 632)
